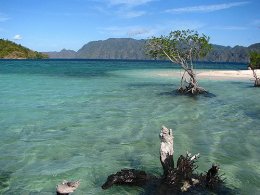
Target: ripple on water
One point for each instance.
(67, 127)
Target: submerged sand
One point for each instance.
(214, 74)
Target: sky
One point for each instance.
(52, 25)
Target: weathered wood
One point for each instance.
(166, 150)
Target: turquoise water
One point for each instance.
(85, 120)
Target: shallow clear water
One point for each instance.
(88, 119)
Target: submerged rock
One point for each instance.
(67, 187)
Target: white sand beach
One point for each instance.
(215, 74)
(227, 74)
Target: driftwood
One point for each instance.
(67, 187)
(174, 180)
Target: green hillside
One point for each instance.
(11, 50)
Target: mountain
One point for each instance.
(231, 54)
(255, 46)
(127, 48)
(11, 50)
(64, 54)
(114, 48)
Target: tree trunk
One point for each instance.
(257, 80)
(192, 86)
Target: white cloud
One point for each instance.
(17, 37)
(256, 23)
(144, 32)
(234, 28)
(126, 8)
(130, 3)
(3, 17)
(230, 28)
(132, 14)
(138, 32)
(172, 25)
(206, 8)
(126, 31)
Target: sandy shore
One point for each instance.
(215, 74)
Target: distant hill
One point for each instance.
(127, 48)
(64, 54)
(231, 54)
(114, 48)
(11, 50)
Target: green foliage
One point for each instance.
(11, 50)
(179, 46)
(254, 60)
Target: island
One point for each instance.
(11, 50)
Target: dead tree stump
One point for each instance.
(175, 179)
(166, 150)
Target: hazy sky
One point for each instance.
(49, 25)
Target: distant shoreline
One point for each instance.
(126, 60)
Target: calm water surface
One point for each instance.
(65, 119)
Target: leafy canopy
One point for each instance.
(255, 60)
(181, 47)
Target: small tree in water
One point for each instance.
(182, 47)
(255, 64)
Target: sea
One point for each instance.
(86, 119)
